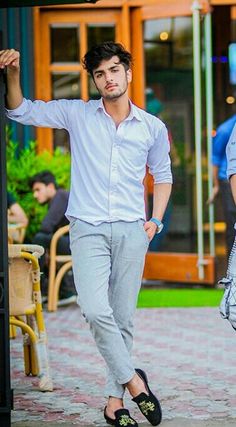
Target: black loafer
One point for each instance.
(122, 418)
(148, 404)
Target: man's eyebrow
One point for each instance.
(110, 68)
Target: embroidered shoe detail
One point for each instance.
(146, 407)
(125, 420)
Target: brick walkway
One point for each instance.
(189, 355)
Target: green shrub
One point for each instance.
(23, 164)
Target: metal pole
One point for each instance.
(5, 389)
(198, 126)
(209, 123)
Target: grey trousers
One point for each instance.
(108, 261)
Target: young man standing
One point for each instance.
(227, 305)
(220, 182)
(112, 141)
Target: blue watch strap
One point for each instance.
(159, 224)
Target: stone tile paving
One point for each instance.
(189, 355)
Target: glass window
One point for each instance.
(93, 92)
(65, 85)
(65, 44)
(168, 42)
(99, 33)
(169, 95)
(61, 140)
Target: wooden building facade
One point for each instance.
(159, 33)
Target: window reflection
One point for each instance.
(99, 33)
(61, 140)
(65, 85)
(168, 42)
(169, 95)
(65, 44)
(93, 92)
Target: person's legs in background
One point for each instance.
(67, 288)
(43, 239)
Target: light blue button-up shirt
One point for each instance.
(231, 154)
(108, 164)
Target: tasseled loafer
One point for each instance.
(148, 404)
(122, 418)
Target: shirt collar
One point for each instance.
(134, 112)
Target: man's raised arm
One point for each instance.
(10, 59)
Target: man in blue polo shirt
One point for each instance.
(220, 181)
(231, 162)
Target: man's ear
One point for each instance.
(129, 75)
(51, 185)
(51, 188)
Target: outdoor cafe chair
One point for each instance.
(58, 267)
(25, 309)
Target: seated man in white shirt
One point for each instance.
(16, 213)
(111, 141)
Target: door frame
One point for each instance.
(186, 267)
(43, 18)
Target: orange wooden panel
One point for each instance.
(222, 2)
(101, 4)
(125, 22)
(44, 139)
(65, 67)
(158, 11)
(171, 8)
(43, 18)
(83, 50)
(105, 4)
(138, 83)
(77, 16)
(178, 267)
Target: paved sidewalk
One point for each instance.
(189, 355)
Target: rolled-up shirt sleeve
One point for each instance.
(231, 154)
(52, 114)
(158, 159)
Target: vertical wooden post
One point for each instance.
(138, 84)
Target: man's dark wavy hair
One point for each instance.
(106, 51)
(45, 177)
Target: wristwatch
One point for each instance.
(159, 224)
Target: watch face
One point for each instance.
(160, 228)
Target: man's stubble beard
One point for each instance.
(114, 96)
